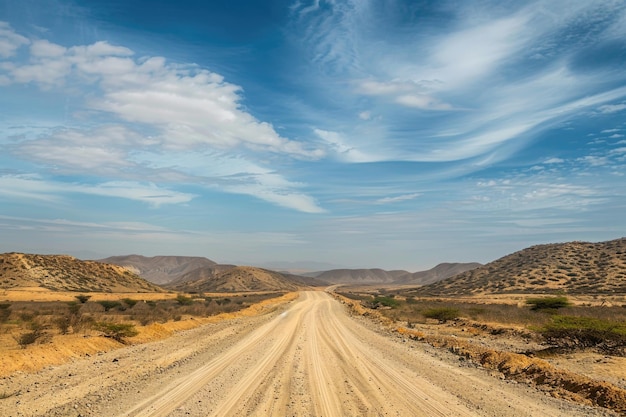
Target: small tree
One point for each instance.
(442, 314)
(117, 331)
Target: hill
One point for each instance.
(438, 273)
(358, 276)
(160, 269)
(66, 273)
(571, 268)
(238, 279)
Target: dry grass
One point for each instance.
(91, 329)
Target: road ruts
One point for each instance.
(342, 376)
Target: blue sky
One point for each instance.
(392, 134)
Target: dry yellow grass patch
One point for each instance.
(62, 348)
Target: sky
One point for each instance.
(394, 134)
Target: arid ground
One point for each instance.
(305, 357)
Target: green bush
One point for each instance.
(116, 331)
(548, 303)
(386, 301)
(109, 304)
(585, 332)
(442, 314)
(184, 301)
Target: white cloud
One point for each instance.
(45, 49)
(553, 161)
(612, 108)
(340, 147)
(35, 187)
(595, 161)
(399, 198)
(365, 115)
(148, 103)
(9, 40)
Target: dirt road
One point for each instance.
(309, 358)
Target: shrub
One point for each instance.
(109, 304)
(5, 312)
(129, 302)
(585, 332)
(83, 298)
(31, 337)
(548, 303)
(116, 331)
(184, 301)
(63, 323)
(386, 301)
(442, 314)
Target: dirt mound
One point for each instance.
(522, 368)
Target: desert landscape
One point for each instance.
(86, 338)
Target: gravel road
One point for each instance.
(306, 358)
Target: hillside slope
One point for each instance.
(237, 279)
(160, 269)
(572, 268)
(359, 276)
(438, 273)
(66, 273)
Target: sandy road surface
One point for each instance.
(308, 359)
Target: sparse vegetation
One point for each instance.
(183, 300)
(108, 304)
(83, 298)
(568, 332)
(117, 331)
(18, 319)
(443, 314)
(548, 303)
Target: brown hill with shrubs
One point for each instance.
(239, 279)
(571, 268)
(160, 269)
(66, 273)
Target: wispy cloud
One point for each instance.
(36, 188)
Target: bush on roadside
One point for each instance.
(442, 314)
(571, 332)
(36, 332)
(116, 331)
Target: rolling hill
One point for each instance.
(571, 268)
(358, 276)
(377, 276)
(160, 269)
(238, 279)
(438, 273)
(66, 273)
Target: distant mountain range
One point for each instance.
(396, 277)
(571, 268)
